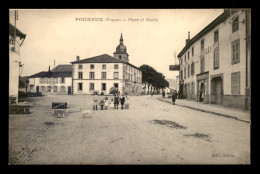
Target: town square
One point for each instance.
(129, 86)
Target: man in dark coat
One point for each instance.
(116, 101)
(122, 100)
(173, 97)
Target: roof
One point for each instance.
(221, 18)
(18, 32)
(49, 74)
(104, 58)
(62, 68)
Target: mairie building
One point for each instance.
(101, 73)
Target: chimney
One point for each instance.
(77, 58)
(187, 40)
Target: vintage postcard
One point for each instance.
(129, 86)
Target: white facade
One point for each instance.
(57, 85)
(215, 81)
(118, 75)
(14, 62)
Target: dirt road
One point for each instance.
(150, 132)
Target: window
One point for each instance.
(55, 80)
(103, 87)
(92, 66)
(116, 75)
(192, 68)
(188, 55)
(103, 66)
(42, 80)
(92, 75)
(192, 88)
(80, 75)
(235, 24)
(54, 88)
(235, 83)
(181, 74)
(216, 58)
(216, 36)
(91, 86)
(43, 89)
(202, 64)
(202, 45)
(192, 51)
(188, 70)
(80, 66)
(120, 57)
(103, 75)
(63, 89)
(131, 77)
(185, 73)
(62, 80)
(80, 87)
(116, 66)
(235, 51)
(49, 88)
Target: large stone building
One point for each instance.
(215, 64)
(16, 38)
(55, 81)
(100, 73)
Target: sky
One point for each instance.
(63, 34)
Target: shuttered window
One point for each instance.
(235, 83)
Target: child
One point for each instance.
(101, 104)
(95, 101)
(112, 103)
(127, 103)
(106, 103)
(116, 101)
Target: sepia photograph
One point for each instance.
(129, 86)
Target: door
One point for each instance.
(69, 90)
(201, 94)
(218, 83)
(37, 89)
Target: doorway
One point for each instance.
(217, 90)
(69, 90)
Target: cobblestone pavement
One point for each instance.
(150, 132)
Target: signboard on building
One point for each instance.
(174, 67)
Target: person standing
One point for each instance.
(95, 100)
(116, 101)
(163, 93)
(173, 97)
(106, 103)
(122, 101)
(127, 103)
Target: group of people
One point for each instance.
(105, 104)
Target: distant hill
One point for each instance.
(172, 83)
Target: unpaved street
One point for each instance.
(150, 132)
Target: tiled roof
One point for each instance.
(62, 68)
(51, 74)
(18, 32)
(104, 58)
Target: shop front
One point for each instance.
(202, 87)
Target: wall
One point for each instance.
(14, 59)
(226, 37)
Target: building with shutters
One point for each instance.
(55, 81)
(101, 74)
(215, 64)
